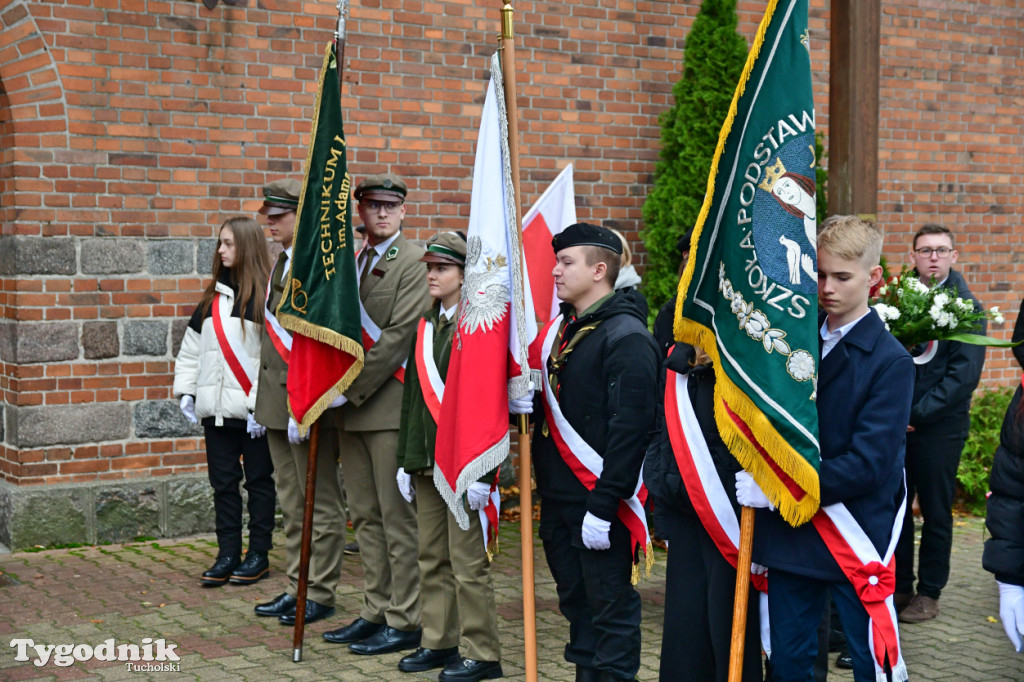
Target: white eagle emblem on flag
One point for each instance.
(484, 304)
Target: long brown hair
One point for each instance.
(250, 272)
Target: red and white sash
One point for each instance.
(242, 366)
(430, 378)
(371, 335)
(432, 387)
(707, 494)
(278, 335)
(872, 577)
(584, 461)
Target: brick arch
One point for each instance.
(37, 108)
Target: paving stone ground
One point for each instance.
(150, 589)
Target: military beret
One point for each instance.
(585, 234)
(384, 186)
(280, 196)
(446, 247)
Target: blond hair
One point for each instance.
(626, 259)
(851, 238)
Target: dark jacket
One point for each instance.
(1004, 551)
(661, 472)
(864, 387)
(943, 386)
(418, 431)
(607, 392)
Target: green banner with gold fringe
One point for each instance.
(748, 296)
(320, 304)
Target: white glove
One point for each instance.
(478, 495)
(253, 427)
(749, 493)
(188, 408)
(757, 569)
(339, 401)
(1011, 610)
(595, 532)
(522, 404)
(294, 437)
(404, 481)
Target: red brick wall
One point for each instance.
(131, 129)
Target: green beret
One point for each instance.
(383, 186)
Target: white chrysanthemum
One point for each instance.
(801, 365)
(941, 299)
(942, 318)
(966, 306)
(887, 312)
(916, 285)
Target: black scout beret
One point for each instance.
(585, 234)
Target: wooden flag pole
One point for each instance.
(508, 69)
(314, 432)
(739, 604)
(307, 537)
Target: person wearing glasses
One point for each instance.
(939, 422)
(393, 295)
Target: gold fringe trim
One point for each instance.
(352, 348)
(492, 553)
(709, 195)
(782, 453)
(634, 578)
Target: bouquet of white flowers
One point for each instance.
(916, 313)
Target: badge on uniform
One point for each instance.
(392, 254)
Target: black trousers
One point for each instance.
(933, 456)
(224, 446)
(594, 591)
(699, 589)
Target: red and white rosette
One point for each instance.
(873, 578)
(586, 464)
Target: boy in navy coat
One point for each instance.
(865, 384)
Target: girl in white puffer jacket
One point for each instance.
(214, 374)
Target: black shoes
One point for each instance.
(428, 659)
(220, 571)
(283, 604)
(352, 549)
(356, 631)
(844, 661)
(388, 639)
(314, 612)
(254, 567)
(467, 669)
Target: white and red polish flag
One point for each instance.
(496, 323)
(552, 213)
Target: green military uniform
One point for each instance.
(393, 294)
(456, 587)
(290, 462)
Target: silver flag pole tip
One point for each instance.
(296, 655)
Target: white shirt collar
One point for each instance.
(833, 337)
(448, 314)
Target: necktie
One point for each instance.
(277, 275)
(368, 254)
